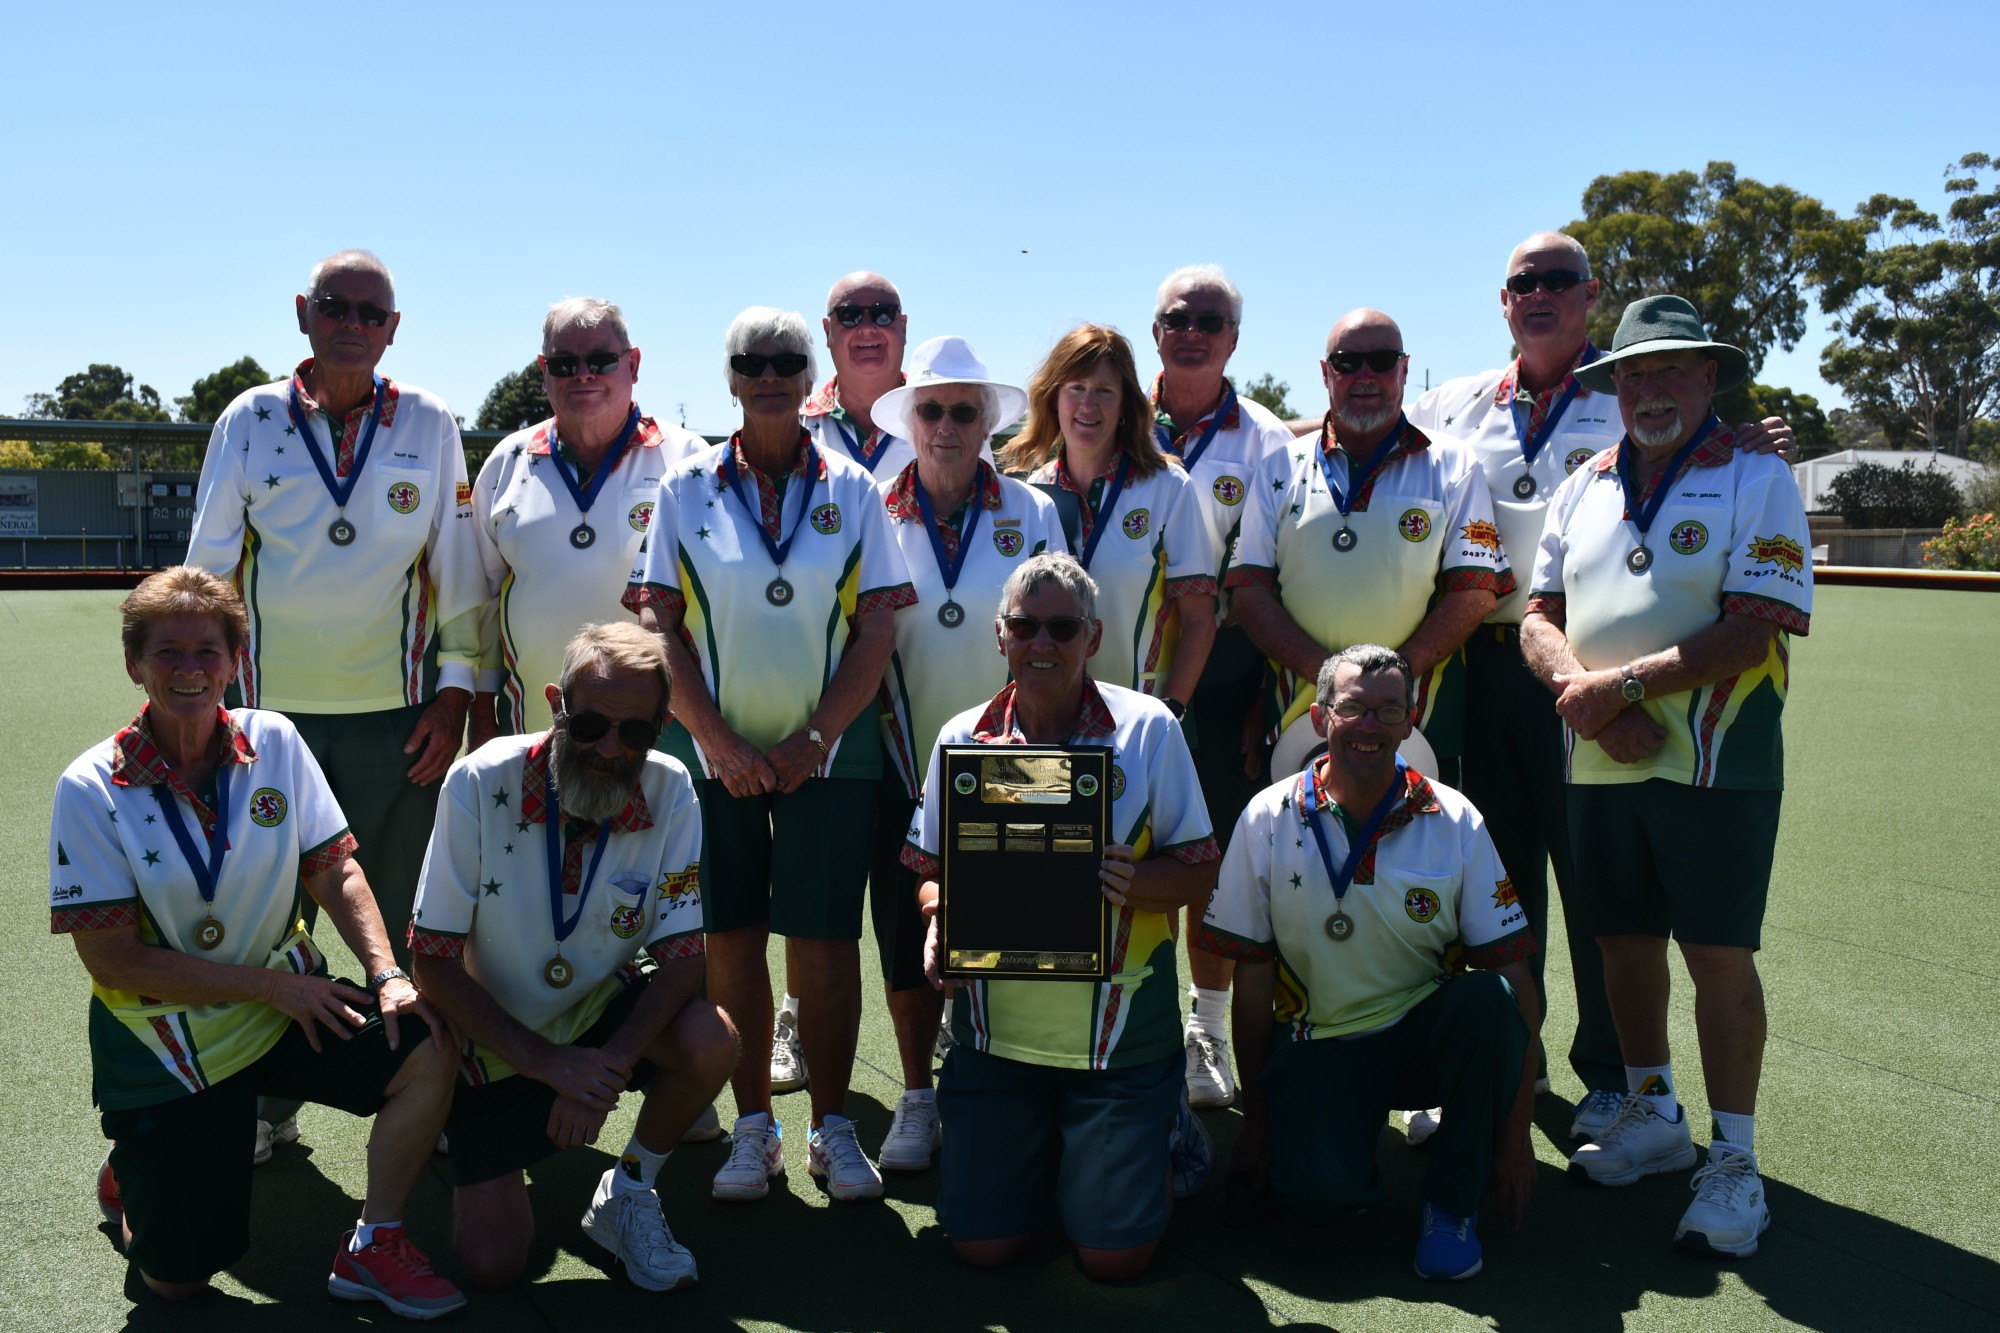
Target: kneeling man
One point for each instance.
(1349, 894)
(556, 858)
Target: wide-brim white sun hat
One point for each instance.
(937, 362)
(1300, 743)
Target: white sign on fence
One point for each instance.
(18, 516)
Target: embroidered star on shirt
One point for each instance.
(151, 818)
(291, 430)
(113, 812)
(152, 858)
(492, 887)
(272, 481)
(281, 448)
(509, 849)
(500, 797)
(521, 827)
(703, 532)
(263, 414)
(1295, 881)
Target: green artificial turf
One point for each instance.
(1879, 1128)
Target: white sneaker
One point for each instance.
(1418, 1126)
(1728, 1212)
(707, 1127)
(945, 1041)
(756, 1158)
(1210, 1080)
(914, 1134)
(633, 1229)
(1640, 1142)
(270, 1136)
(835, 1158)
(1595, 1112)
(788, 1058)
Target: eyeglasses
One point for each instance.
(588, 728)
(1061, 628)
(1554, 280)
(1389, 715)
(882, 314)
(335, 308)
(751, 364)
(1347, 363)
(962, 413)
(562, 365)
(1177, 321)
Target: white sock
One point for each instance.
(790, 1006)
(1656, 1084)
(638, 1168)
(1211, 1011)
(364, 1233)
(1738, 1131)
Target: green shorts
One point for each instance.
(500, 1127)
(1663, 858)
(795, 861)
(183, 1166)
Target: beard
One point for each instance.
(590, 786)
(1659, 437)
(1354, 419)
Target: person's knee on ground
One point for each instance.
(1116, 1265)
(493, 1224)
(992, 1253)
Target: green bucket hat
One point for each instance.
(1664, 324)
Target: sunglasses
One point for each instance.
(1346, 363)
(335, 308)
(589, 728)
(1177, 321)
(1389, 715)
(1554, 281)
(882, 314)
(751, 364)
(1061, 628)
(562, 365)
(962, 413)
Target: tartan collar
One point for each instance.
(390, 395)
(1418, 797)
(747, 468)
(902, 498)
(1717, 449)
(1231, 421)
(136, 760)
(636, 816)
(1505, 392)
(647, 436)
(1410, 441)
(997, 726)
(1068, 483)
(825, 400)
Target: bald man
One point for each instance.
(866, 331)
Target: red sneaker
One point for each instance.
(393, 1271)
(109, 1201)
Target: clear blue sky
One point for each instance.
(172, 172)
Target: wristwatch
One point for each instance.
(1174, 706)
(1630, 685)
(381, 979)
(813, 735)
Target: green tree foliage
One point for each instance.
(1740, 250)
(1919, 344)
(1753, 402)
(1271, 391)
(516, 402)
(212, 393)
(101, 393)
(70, 455)
(1869, 495)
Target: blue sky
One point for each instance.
(173, 171)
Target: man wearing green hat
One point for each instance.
(1672, 569)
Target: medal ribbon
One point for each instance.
(586, 496)
(776, 550)
(1642, 516)
(1193, 456)
(1309, 803)
(1345, 502)
(553, 846)
(855, 446)
(208, 872)
(334, 486)
(1531, 444)
(1100, 519)
(949, 569)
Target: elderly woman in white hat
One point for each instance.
(963, 529)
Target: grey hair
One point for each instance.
(787, 328)
(1200, 278)
(1059, 567)
(344, 260)
(1367, 658)
(989, 409)
(583, 312)
(1551, 240)
(598, 650)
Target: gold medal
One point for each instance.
(558, 973)
(1339, 926)
(209, 933)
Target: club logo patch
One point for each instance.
(681, 888)
(641, 516)
(1421, 904)
(1087, 785)
(1117, 783)
(626, 920)
(965, 784)
(1007, 541)
(1138, 523)
(267, 807)
(1229, 490)
(1503, 894)
(404, 496)
(1688, 537)
(826, 520)
(1481, 533)
(1415, 525)
(1778, 551)
(1575, 459)
(463, 492)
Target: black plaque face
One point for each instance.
(1024, 835)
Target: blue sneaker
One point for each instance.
(1447, 1246)
(1190, 1153)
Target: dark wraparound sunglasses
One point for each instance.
(562, 365)
(335, 308)
(1346, 363)
(751, 364)
(1061, 628)
(963, 413)
(882, 314)
(588, 728)
(1177, 321)
(1555, 280)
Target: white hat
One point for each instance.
(946, 360)
(1300, 743)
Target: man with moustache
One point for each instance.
(1672, 570)
(557, 858)
(1222, 440)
